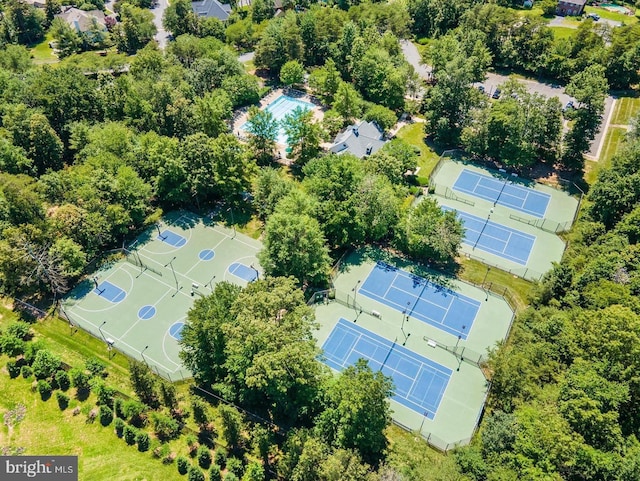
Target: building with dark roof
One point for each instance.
(361, 139)
(211, 8)
(570, 7)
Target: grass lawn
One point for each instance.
(626, 109)
(612, 141)
(47, 430)
(563, 32)
(618, 17)
(42, 53)
(513, 288)
(414, 134)
(414, 459)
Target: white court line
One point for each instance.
(140, 320)
(120, 341)
(390, 285)
(200, 261)
(111, 305)
(157, 279)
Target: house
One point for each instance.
(361, 140)
(211, 9)
(37, 3)
(570, 7)
(82, 21)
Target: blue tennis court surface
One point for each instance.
(175, 330)
(171, 238)
(421, 299)
(110, 292)
(419, 383)
(246, 273)
(497, 239)
(500, 192)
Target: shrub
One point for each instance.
(45, 364)
(204, 457)
(384, 117)
(32, 349)
(11, 345)
(231, 477)
(96, 367)
(118, 404)
(183, 465)
(169, 458)
(20, 329)
(161, 451)
(220, 457)
(26, 371)
(13, 369)
(130, 434)
(165, 427)
(119, 427)
(195, 474)
(235, 466)
(80, 380)
(63, 400)
(44, 388)
(143, 441)
(103, 392)
(133, 410)
(106, 415)
(62, 379)
(214, 473)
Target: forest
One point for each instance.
(93, 149)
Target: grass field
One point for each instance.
(414, 134)
(626, 109)
(42, 53)
(617, 17)
(612, 141)
(563, 32)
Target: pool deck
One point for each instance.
(242, 115)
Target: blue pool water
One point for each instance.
(280, 108)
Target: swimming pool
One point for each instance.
(280, 108)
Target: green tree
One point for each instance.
(203, 340)
(45, 364)
(263, 131)
(231, 426)
(384, 117)
(292, 73)
(430, 234)
(134, 30)
(143, 383)
(357, 411)
(304, 135)
(204, 457)
(66, 38)
(165, 427)
(254, 472)
(589, 87)
(269, 188)
(347, 102)
(179, 18)
(195, 474)
(294, 245)
(212, 113)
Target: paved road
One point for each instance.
(493, 80)
(246, 57)
(161, 36)
(559, 21)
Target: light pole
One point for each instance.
(233, 222)
(170, 263)
(100, 329)
(355, 292)
(422, 423)
(257, 272)
(486, 291)
(142, 354)
(460, 337)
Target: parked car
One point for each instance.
(569, 106)
(481, 88)
(496, 94)
(593, 16)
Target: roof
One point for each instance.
(211, 8)
(361, 139)
(574, 2)
(80, 19)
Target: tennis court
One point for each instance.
(420, 299)
(139, 303)
(280, 108)
(497, 239)
(502, 192)
(419, 383)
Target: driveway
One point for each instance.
(161, 36)
(246, 57)
(493, 80)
